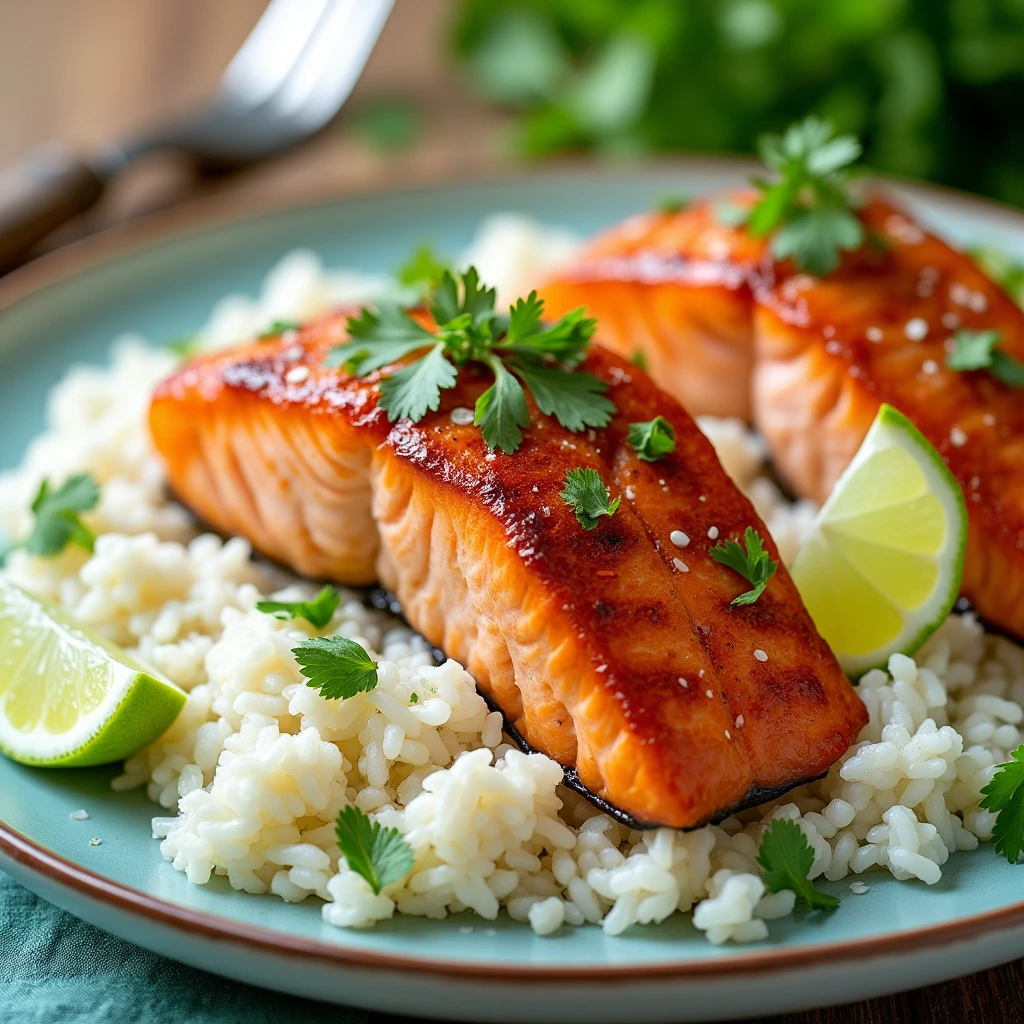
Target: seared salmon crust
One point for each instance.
(815, 358)
(613, 650)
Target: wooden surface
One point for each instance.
(86, 71)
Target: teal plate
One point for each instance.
(896, 936)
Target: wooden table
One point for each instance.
(85, 71)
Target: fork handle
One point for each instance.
(48, 187)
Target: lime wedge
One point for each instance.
(881, 567)
(69, 696)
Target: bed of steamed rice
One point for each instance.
(255, 769)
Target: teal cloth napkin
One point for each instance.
(55, 969)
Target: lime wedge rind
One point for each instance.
(891, 429)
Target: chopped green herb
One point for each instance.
(753, 565)
(519, 351)
(807, 211)
(588, 497)
(652, 440)
(57, 516)
(639, 360)
(339, 668)
(414, 698)
(786, 858)
(1005, 795)
(278, 327)
(380, 855)
(976, 350)
(186, 346)
(422, 270)
(317, 612)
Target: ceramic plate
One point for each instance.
(896, 936)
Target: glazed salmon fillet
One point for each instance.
(612, 650)
(823, 354)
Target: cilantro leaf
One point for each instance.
(807, 211)
(1005, 795)
(423, 269)
(786, 859)
(586, 494)
(976, 350)
(652, 440)
(279, 327)
(317, 612)
(339, 668)
(417, 387)
(380, 855)
(57, 521)
(575, 399)
(501, 410)
(754, 564)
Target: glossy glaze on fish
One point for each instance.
(825, 353)
(612, 650)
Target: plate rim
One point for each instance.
(214, 213)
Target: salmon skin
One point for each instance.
(613, 650)
(823, 354)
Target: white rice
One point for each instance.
(257, 766)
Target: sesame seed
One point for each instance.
(712, 533)
(297, 374)
(462, 417)
(930, 366)
(959, 293)
(709, 693)
(630, 494)
(661, 483)
(95, 841)
(916, 329)
(957, 437)
(977, 302)
(873, 334)
(702, 498)
(683, 683)
(858, 888)
(739, 721)
(679, 538)
(601, 668)
(82, 815)
(700, 674)
(680, 565)
(760, 655)
(728, 735)
(950, 321)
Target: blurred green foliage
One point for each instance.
(935, 88)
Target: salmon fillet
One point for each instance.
(612, 650)
(823, 354)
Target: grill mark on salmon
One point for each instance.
(580, 637)
(814, 380)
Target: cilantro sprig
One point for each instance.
(380, 855)
(317, 612)
(336, 666)
(806, 210)
(1005, 794)
(58, 521)
(586, 494)
(786, 859)
(652, 440)
(976, 350)
(754, 565)
(519, 351)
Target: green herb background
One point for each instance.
(934, 88)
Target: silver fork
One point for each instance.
(288, 80)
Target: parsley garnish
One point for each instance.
(380, 855)
(422, 270)
(976, 350)
(517, 350)
(754, 564)
(339, 668)
(414, 698)
(588, 497)
(1005, 794)
(57, 521)
(807, 211)
(652, 440)
(786, 858)
(317, 612)
(279, 327)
